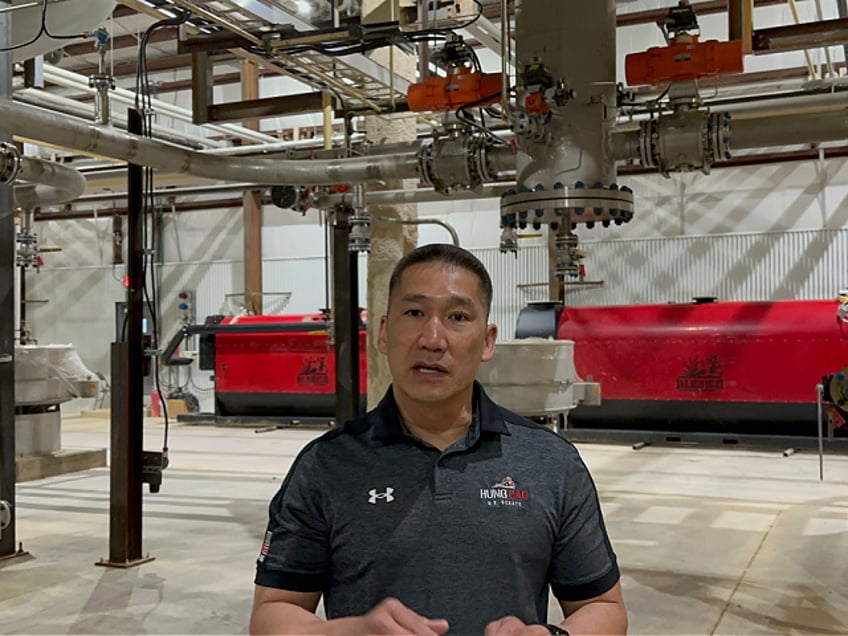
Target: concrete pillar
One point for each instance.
(389, 241)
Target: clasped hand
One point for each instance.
(393, 617)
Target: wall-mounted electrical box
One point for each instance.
(186, 313)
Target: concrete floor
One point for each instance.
(710, 541)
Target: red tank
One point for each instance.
(725, 362)
(289, 371)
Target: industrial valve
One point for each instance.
(456, 160)
(101, 81)
(568, 256)
(688, 138)
(360, 223)
(461, 87)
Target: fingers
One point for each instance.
(507, 626)
(393, 617)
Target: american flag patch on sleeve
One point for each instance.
(266, 546)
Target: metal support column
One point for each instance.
(740, 15)
(7, 320)
(253, 210)
(346, 320)
(127, 422)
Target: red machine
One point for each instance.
(275, 366)
(749, 367)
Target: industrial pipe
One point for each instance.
(419, 195)
(447, 226)
(69, 79)
(76, 134)
(47, 183)
(761, 132)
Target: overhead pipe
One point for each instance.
(67, 106)
(761, 132)
(46, 182)
(68, 79)
(47, 127)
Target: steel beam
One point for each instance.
(202, 84)
(801, 36)
(345, 320)
(740, 23)
(265, 107)
(8, 540)
(127, 416)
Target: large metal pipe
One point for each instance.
(788, 130)
(69, 79)
(48, 183)
(576, 42)
(44, 126)
(760, 132)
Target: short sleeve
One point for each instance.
(295, 550)
(583, 564)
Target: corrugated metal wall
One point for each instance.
(772, 266)
(780, 265)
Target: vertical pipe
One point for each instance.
(575, 40)
(327, 105)
(7, 311)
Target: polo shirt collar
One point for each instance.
(386, 421)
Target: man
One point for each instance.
(438, 512)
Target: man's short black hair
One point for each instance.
(450, 255)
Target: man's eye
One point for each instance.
(413, 312)
(460, 317)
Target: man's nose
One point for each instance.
(432, 335)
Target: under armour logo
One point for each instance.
(387, 496)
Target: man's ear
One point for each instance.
(489, 342)
(382, 345)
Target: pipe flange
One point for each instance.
(11, 163)
(567, 205)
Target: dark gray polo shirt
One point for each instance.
(471, 534)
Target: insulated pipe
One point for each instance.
(761, 132)
(47, 183)
(69, 79)
(44, 126)
(787, 130)
(418, 195)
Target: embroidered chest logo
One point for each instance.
(374, 496)
(505, 493)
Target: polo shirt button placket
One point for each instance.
(442, 494)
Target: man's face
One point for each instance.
(436, 333)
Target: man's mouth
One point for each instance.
(429, 369)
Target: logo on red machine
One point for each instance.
(313, 372)
(505, 493)
(701, 375)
